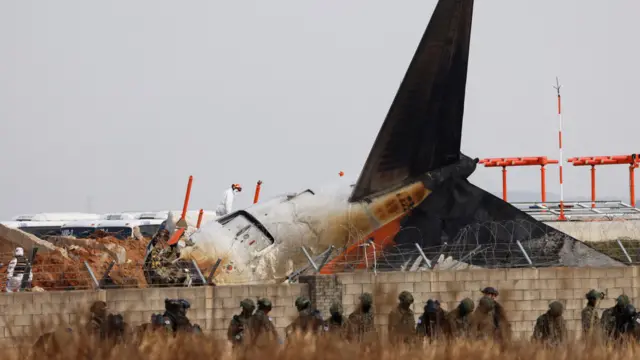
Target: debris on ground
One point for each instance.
(62, 265)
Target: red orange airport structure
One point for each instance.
(521, 161)
(632, 160)
(256, 195)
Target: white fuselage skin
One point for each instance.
(315, 221)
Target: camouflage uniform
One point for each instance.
(238, 323)
(610, 316)
(432, 323)
(551, 328)
(307, 319)
(337, 323)
(483, 326)
(362, 321)
(459, 320)
(97, 325)
(589, 314)
(402, 321)
(261, 329)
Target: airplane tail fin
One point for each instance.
(422, 130)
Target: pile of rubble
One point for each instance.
(61, 262)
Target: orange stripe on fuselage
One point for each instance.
(354, 255)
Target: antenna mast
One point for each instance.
(561, 159)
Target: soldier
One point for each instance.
(337, 323)
(590, 313)
(261, 328)
(482, 321)
(499, 315)
(610, 316)
(307, 319)
(238, 323)
(627, 325)
(97, 325)
(175, 316)
(551, 328)
(459, 320)
(362, 320)
(402, 321)
(432, 323)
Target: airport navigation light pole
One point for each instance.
(561, 159)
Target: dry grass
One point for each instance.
(76, 345)
(192, 347)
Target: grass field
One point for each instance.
(65, 345)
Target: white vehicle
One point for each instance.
(153, 215)
(41, 228)
(24, 217)
(65, 217)
(62, 216)
(79, 229)
(125, 229)
(120, 216)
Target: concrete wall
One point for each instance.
(211, 307)
(599, 230)
(525, 293)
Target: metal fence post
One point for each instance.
(92, 275)
(526, 256)
(213, 270)
(313, 263)
(423, 255)
(624, 251)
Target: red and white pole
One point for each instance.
(561, 159)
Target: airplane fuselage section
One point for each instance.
(264, 242)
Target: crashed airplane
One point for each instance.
(412, 190)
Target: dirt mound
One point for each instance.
(54, 271)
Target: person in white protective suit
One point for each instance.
(227, 200)
(15, 271)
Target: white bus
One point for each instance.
(79, 229)
(41, 228)
(125, 229)
(120, 216)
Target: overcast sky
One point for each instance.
(111, 105)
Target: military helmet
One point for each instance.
(302, 303)
(366, 299)
(594, 295)
(336, 308)
(247, 304)
(405, 297)
(184, 303)
(430, 306)
(622, 300)
(467, 305)
(264, 304)
(486, 304)
(556, 308)
(98, 306)
(490, 291)
(176, 304)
